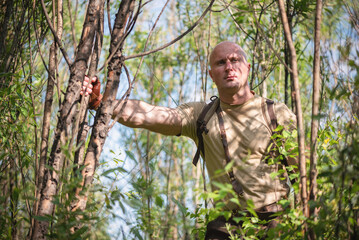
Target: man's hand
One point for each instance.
(86, 86)
(93, 89)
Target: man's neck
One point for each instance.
(237, 98)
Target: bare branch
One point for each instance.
(266, 37)
(128, 30)
(109, 17)
(226, 6)
(174, 40)
(238, 25)
(73, 34)
(353, 16)
(138, 69)
(64, 53)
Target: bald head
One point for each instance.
(226, 45)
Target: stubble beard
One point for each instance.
(234, 87)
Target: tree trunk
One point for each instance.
(105, 111)
(288, 77)
(286, 73)
(9, 5)
(13, 187)
(46, 118)
(82, 123)
(45, 126)
(300, 124)
(78, 69)
(315, 106)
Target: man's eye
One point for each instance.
(235, 60)
(221, 62)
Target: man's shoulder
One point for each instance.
(194, 105)
(279, 106)
(284, 115)
(191, 110)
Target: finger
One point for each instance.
(94, 79)
(89, 90)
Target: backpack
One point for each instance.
(214, 107)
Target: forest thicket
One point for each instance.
(67, 172)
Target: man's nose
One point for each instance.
(228, 65)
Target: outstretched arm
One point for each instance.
(139, 114)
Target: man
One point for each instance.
(246, 129)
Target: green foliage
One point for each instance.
(17, 142)
(152, 191)
(338, 185)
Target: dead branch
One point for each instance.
(64, 53)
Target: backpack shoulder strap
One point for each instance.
(268, 111)
(202, 120)
(273, 124)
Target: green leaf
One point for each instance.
(107, 200)
(79, 232)
(250, 208)
(117, 169)
(131, 155)
(181, 207)
(235, 200)
(229, 166)
(159, 201)
(42, 218)
(274, 174)
(227, 214)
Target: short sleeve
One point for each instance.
(189, 113)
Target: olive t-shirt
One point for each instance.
(248, 136)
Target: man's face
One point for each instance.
(229, 69)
